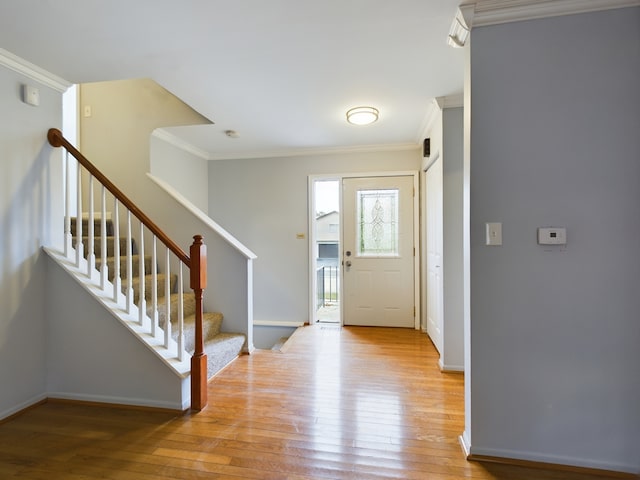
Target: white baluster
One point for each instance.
(67, 207)
(79, 245)
(91, 255)
(167, 292)
(104, 268)
(129, 265)
(154, 286)
(117, 281)
(180, 314)
(142, 303)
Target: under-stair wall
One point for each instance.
(91, 357)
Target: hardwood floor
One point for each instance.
(351, 403)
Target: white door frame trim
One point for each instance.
(416, 236)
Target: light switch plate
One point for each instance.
(494, 233)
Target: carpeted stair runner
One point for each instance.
(221, 347)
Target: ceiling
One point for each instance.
(281, 73)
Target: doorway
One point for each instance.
(378, 245)
(325, 250)
(369, 286)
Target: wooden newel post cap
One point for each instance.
(198, 254)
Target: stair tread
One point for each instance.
(221, 347)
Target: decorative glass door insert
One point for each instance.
(377, 223)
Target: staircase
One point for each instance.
(220, 347)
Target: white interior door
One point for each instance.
(434, 253)
(378, 251)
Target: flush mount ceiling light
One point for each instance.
(362, 115)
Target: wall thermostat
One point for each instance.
(552, 236)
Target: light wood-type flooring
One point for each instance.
(337, 403)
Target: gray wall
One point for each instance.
(263, 203)
(555, 141)
(28, 216)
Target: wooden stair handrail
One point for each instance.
(197, 265)
(56, 139)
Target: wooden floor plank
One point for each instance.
(336, 403)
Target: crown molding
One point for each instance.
(433, 110)
(181, 144)
(307, 152)
(28, 69)
(493, 12)
(451, 101)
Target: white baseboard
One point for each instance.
(276, 323)
(22, 406)
(565, 461)
(450, 368)
(136, 402)
(464, 444)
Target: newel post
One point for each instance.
(198, 254)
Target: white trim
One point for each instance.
(181, 144)
(553, 459)
(450, 101)
(305, 152)
(450, 368)
(493, 12)
(138, 402)
(203, 217)
(28, 69)
(430, 118)
(429, 161)
(33, 401)
(466, 447)
(277, 323)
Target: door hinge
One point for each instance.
(414, 312)
(414, 251)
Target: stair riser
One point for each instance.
(148, 292)
(97, 246)
(97, 227)
(135, 262)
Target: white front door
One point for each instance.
(378, 251)
(434, 253)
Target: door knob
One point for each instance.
(348, 263)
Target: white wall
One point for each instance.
(263, 203)
(28, 216)
(555, 331)
(184, 171)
